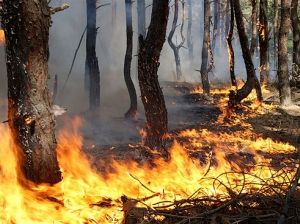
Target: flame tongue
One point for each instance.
(2, 37)
(84, 196)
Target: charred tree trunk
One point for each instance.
(92, 67)
(230, 48)
(296, 39)
(253, 26)
(141, 9)
(26, 25)
(252, 82)
(189, 30)
(283, 69)
(216, 23)
(275, 32)
(175, 47)
(131, 113)
(205, 48)
(148, 64)
(263, 42)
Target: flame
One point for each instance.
(2, 37)
(234, 161)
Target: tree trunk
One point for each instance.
(174, 47)
(205, 46)
(296, 39)
(253, 26)
(227, 17)
(92, 67)
(283, 69)
(216, 23)
(275, 32)
(230, 48)
(148, 64)
(131, 113)
(252, 82)
(189, 30)
(26, 25)
(264, 42)
(141, 9)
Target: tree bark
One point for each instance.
(230, 48)
(131, 113)
(189, 30)
(252, 82)
(205, 48)
(92, 67)
(26, 25)
(141, 9)
(148, 64)
(264, 42)
(174, 47)
(296, 39)
(283, 69)
(253, 26)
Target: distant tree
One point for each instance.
(253, 27)
(131, 113)
(296, 39)
(275, 30)
(230, 48)
(176, 47)
(26, 25)
(189, 29)
(92, 72)
(252, 81)
(283, 68)
(216, 23)
(263, 42)
(141, 9)
(205, 48)
(148, 64)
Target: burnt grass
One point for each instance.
(196, 111)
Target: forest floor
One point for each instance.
(190, 110)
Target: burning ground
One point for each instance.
(222, 168)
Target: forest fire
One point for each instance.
(215, 154)
(2, 37)
(235, 161)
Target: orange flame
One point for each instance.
(89, 196)
(2, 37)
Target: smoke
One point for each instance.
(109, 126)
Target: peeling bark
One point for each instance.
(26, 25)
(148, 64)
